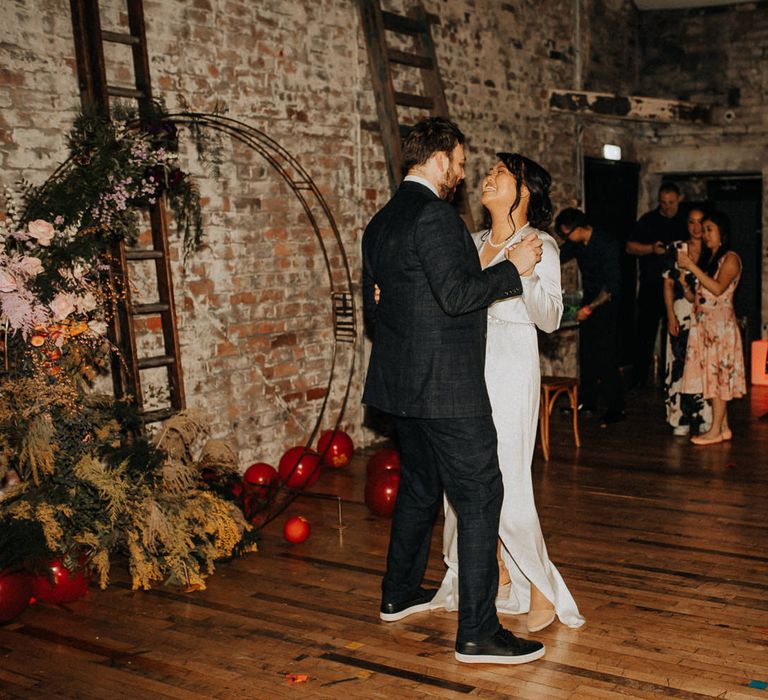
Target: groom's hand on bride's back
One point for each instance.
(526, 254)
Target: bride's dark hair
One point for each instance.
(537, 180)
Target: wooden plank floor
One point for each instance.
(662, 544)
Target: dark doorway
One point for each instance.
(610, 200)
(741, 200)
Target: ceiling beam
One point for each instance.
(644, 5)
(651, 109)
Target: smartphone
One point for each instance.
(681, 245)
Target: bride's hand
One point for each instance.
(526, 254)
(376, 293)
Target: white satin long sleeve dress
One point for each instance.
(513, 378)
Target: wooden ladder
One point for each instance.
(415, 27)
(94, 90)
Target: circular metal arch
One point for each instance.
(342, 299)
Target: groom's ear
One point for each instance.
(442, 160)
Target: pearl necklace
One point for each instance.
(490, 242)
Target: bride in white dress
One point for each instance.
(516, 194)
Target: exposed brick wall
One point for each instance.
(253, 305)
(611, 46)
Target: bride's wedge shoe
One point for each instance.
(537, 620)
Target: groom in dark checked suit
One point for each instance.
(426, 370)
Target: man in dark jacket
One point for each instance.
(598, 255)
(654, 231)
(427, 370)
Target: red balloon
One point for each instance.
(381, 492)
(299, 472)
(337, 446)
(259, 478)
(66, 587)
(296, 529)
(382, 461)
(15, 592)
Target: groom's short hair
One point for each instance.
(427, 137)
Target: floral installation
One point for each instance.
(115, 167)
(79, 483)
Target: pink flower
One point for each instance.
(8, 282)
(22, 311)
(29, 265)
(62, 305)
(41, 230)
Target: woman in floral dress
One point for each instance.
(714, 363)
(686, 413)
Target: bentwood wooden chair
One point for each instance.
(551, 388)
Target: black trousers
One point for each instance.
(458, 455)
(598, 360)
(650, 311)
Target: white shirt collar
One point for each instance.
(421, 181)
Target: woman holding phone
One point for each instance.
(714, 362)
(686, 413)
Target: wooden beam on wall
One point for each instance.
(652, 109)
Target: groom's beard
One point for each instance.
(447, 188)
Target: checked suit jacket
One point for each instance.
(429, 327)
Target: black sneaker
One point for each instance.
(392, 612)
(612, 417)
(502, 648)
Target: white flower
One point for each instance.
(86, 303)
(8, 282)
(97, 327)
(62, 305)
(41, 230)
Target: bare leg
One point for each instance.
(726, 429)
(541, 613)
(504, 578)
(539, 601)
(719, 424)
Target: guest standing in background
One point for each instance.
(686, 413)
(714, 362)
(599, 258)
(653, 232)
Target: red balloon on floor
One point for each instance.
(337, 446)
(66, 587)
(297, 471)
(381, 492)
(15, 592)
(382, 461)
(296, 529)
(259, 478)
